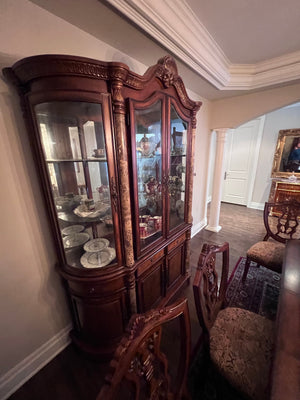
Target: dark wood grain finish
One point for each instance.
(209, 288)
(286, 368)
(60, 92)
(150, 286)
(175, 265)
(140, 362)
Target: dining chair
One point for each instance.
(139, 368)
(282, 223)
(239, 342)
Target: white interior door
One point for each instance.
(242, 147)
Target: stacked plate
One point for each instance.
(99, 211)
(98, 253)
(75, 240)
(70, 230)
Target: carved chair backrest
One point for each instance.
(282, 220)
(209, 291)
(139, 369)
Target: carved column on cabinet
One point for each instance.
(191, 172)
(121, 144)
(187, 253)
(190, 195)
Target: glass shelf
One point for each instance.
(149, 172)
(177, 162)
(73, 139)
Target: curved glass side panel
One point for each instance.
(177, 173)
(73, 140)
(149, 172)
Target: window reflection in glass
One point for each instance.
(149, 172)
(73, 140)
(177, 174)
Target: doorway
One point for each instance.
(241, 158)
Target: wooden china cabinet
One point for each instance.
(115, 155)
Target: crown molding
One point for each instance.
(266, 73)
(175, 26)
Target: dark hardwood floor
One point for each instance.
(72, 376)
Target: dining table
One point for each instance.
(285, 381)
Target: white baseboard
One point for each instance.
(22, 372)
(197, 228)
(257, 206)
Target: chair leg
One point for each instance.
(246, 269)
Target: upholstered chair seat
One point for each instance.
(282, 223)
(243, 351)
(240, 342)
(267, 253)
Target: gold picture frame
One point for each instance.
(283, 167)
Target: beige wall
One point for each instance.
(202, 148)
(235, 111)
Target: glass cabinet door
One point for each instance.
(148, 145)
(73, 141)
(177, 169)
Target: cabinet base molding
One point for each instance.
(96, 352)
(23, 371)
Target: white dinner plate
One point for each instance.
(99, 210)
(69, 230)
(76, 239)
(97, 244)
(99, 258)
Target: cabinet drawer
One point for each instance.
(148, 262)
(176, 243)
(96, 288)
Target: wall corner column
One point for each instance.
(215, 205)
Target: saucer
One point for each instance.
(98, 259)
(95, 245)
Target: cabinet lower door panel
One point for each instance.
(175, 265)
(98, 321)
(150, 287)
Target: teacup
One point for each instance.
(99, 152)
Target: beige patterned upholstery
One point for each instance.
(242, 352)
(267, 253)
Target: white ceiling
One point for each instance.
(222, 48)
(250, 31)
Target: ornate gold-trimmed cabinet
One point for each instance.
(115, 155)
(284, 190)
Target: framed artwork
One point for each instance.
(287, 154)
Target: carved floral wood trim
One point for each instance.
(208, 292)
(166, 71)
(139, 359)
(35, 66)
